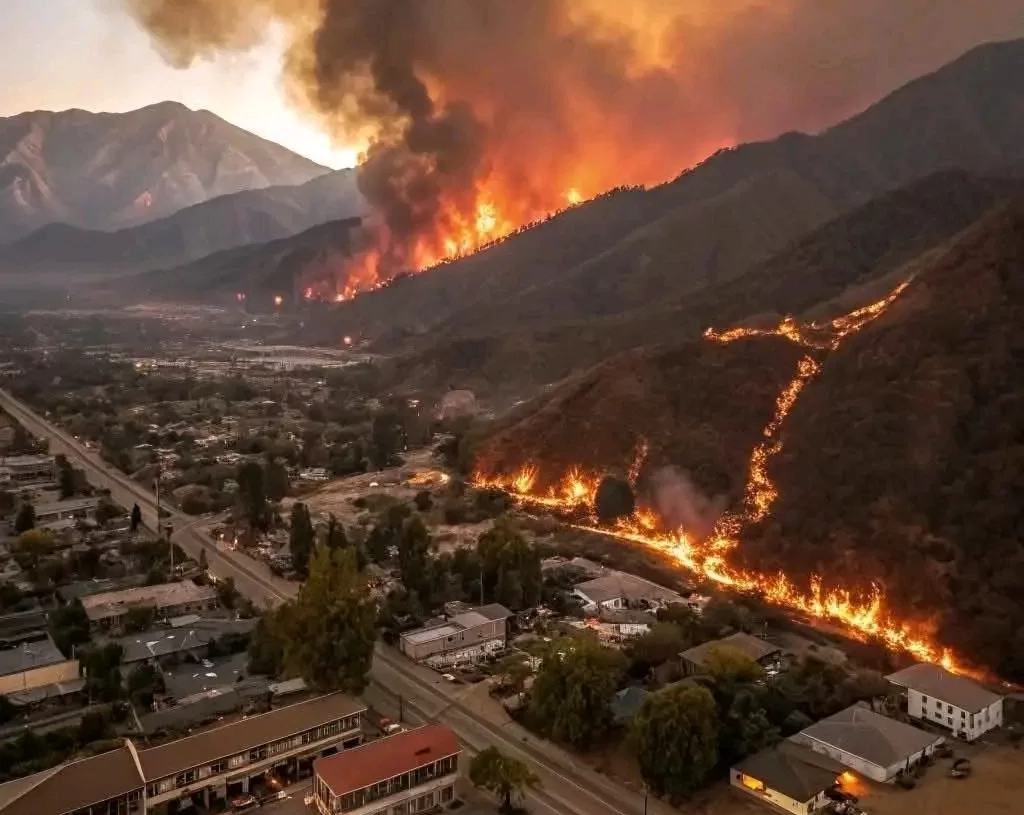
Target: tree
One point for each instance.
(69, 626)
(745, 727)
(101, 666)
(35, 544)
(276, 479)
(136, 520)
(66, 478)
(423, 501)
(7, 503)
(663, 643)
(25, 519)
(227, 594)
(414, 559)
(511, 567)
(385, 438)
(139, 618)
(676, 738)
(330, 628)
(614, 499)
(301, 538)
(506, 777)
(204, 561)
(335, 537)
(144, 680)
(573, 690)
(728, 665)
(252, 496)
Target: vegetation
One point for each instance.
(25, 519)
(301, 538)
(614, 499)
(507, 778)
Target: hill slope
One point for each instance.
(902, 460)
(112, 170)
(225, 222)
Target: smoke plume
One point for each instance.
(681, 505)
(481, 115)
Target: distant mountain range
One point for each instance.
(108, 171)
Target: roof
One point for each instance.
(935, 681)
(56, 690)
(159, 642)
(753, 647)
(227, 740)
(792, 769)
(493, 612)
(163, 595)
(72, 786)
(15, 626)
(354, 769)
(68, 505)
(627, 702)
(877, 739)
(626, 586)
(467, 620)
(436, 632)
(27, 461)
(29, 655)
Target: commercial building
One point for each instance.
(874, 745)
(790, 777)
(24, 470)
(620, 590)
(107, 609)
(34, 663)
(64, 510)
(409, 772)
(460, 639)
(955, 702)
(764, 653)
(206, 768)
(189, 639)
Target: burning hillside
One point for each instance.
(481, 116)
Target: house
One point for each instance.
(764, 653)
(23, 470)
(69, 508)
(626, 703)
(107, 609)
(618, 590)
(955, 702)
(790, 777)
(624, 624)
(874, 745)
(462, 638)
(29, 658)
(412, 771)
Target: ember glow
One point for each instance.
(863, 612)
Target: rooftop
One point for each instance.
(160, 642)
(68, 505)
(73, 786)
(229, 739)
(860, 731)
(26, 461)
(627, 703)
(112, 603)
(29, 655)
(795, 771)
(621, 585)
(937, 682)
(354, 769)
(473, 618)
(753, 647)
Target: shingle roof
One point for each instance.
(937, 682)
(229, 739)
(753, 647)
(795, 771)
(72, 786)
(877, 739)
(626, 586)
(354, 769)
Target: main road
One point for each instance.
(568, 787)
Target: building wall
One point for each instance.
(38, 677)
(775, 797)
(961, 722)
(464, 656)
(438, 790)
(873, 771)
(466, 639)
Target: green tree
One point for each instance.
(136, 518)
(335, 537)
(276, 479)
(34, 544)
(144, 680)
(301, 538)
(726, 664)
(227, 595)
(65, 478)
(423, 501)
(330, 628)
(139, 618)
(252, 496)
(573, 690)
(746, 728)
(414, 560)
(614, 499)
(266, 648)
(101, 666)
(204, 560)
(7, 503)
(675, 734)
(663, 643)
(69, 626)
(508, 778)
(511, 567)
(385, 439)
(25, 519)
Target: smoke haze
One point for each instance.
(681, 505)
(480, 115)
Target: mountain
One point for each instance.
(112, 170)
(901, 462)
(225, 222)
(720, 219)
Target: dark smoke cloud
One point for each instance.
(681, 505)
(535, 96)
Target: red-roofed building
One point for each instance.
(403, 774)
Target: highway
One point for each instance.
(569, 788)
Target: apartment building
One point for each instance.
(107, 609)
(458, 639)
(22, 470)
(954, 702)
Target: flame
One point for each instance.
(863, 613)
(278, 300)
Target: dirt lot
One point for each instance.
(996, 787)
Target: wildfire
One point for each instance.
(864, 613)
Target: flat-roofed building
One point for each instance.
(409, 772)
(34, 663)
(223, 762)
(107, 609)
(23, 470)
(106, 784)
(460, 639)
(65, 510)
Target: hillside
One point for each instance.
(113, 170)
(901, 462)
(727, 215)
(225, 222)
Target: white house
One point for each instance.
(789, 777)
(874, 745)
(955, 702)
(618, 590)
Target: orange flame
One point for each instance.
(864, 614)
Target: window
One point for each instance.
(238, 761)
(924, 699)
(949, 708)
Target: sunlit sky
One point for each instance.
(61, 54)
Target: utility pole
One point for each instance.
(160, 524)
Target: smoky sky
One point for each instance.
(535, 96)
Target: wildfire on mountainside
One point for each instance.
(864, 612)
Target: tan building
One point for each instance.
(34, 663)
(409, 772)
(460, 639)
(206, 769)
(22, 470)
(107, 609)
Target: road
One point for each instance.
(569, 788)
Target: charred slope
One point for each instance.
(903, 461)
